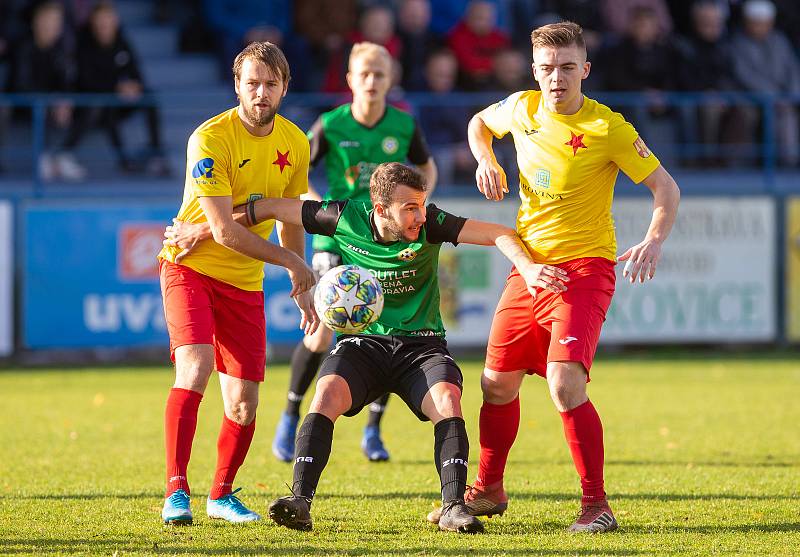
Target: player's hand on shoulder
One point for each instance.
(546, 277)
(183, 235)
(641, 260)
(301, 275)
(491, 179)
(309, 320)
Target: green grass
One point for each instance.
(703, 458)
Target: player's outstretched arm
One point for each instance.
(187, 235)
(229, 233)
(490, 177)
(508, 242)
(641, 259)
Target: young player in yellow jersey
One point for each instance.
(569, 150)
(213, 296)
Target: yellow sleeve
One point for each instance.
(298, 185)
(210, 172)
(499, 116)
(628, 150)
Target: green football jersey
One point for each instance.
(352, 151)
(407, 271)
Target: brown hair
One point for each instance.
(265, 52)
(387, 176)
(564, 33)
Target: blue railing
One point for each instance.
(672, 135)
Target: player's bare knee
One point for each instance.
(567, 383)
(242, 412)
(499, 388)
(446, 400)
(332, 397)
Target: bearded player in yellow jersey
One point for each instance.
(569, 151)
(213, 296)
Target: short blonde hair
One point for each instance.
(565, 33)
(368, 50)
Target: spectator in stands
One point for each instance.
(511, 72)
(586, 13)
(764, 62)
(705, 65)
(446, 14)
(644, 61)
(41, 63)
(376, 25)
(418, 41)
(619, 13)
(237, 23)
(107, 64)
(444, 121)
(474, 41)
(325, 25)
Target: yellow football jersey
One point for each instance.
(568, 166)
(224, 159)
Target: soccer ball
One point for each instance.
(348, 299)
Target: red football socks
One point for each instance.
(584, 433)
(180, 423)
(499, 424)
(232, 446)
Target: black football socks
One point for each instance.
(312, 449)
(450, 452)
(305, 364)
(376, 410)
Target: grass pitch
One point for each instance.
(703, 458)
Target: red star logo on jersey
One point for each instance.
(576, 142)
(283, 159)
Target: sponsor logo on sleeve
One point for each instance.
(641, 148)
(203, 168)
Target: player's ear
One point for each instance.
(587, 66)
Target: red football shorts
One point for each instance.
(203, 310)
(528, 332)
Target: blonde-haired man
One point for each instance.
(213, 296)
(569, 149)
(353, 140)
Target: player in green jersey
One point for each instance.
(351, 140)
(405, 351)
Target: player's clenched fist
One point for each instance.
(491, 179)
(548, 277)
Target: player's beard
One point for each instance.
(397, 231)
(260, 119)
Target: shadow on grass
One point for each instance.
(679, 463)
(534, 496)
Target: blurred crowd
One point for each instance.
(440, 47)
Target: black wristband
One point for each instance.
(251, 212)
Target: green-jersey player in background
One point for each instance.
(351, 140)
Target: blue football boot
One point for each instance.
(283, 444)
(176, 509)
(230, 508)
(372, 446)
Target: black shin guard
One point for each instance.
(312, 449)
(305, 364)
(376, 410)
(450, 452)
